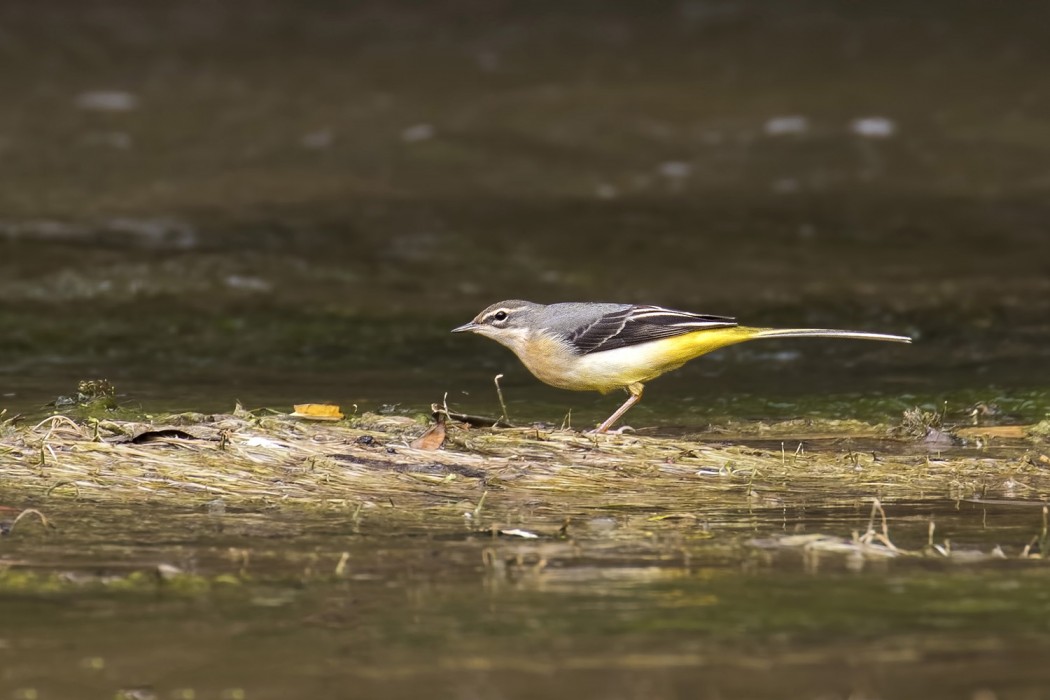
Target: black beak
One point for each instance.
(465, 327)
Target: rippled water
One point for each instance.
(698, 607)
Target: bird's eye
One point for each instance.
(500, 315)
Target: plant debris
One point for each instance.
(275, 458)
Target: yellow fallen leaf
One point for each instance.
(317, 411)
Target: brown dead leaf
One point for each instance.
(1044, 459)
(433, 438)
(317, 411)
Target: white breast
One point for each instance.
(604, 371)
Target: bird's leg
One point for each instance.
(636, 396)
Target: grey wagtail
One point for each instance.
(601, 347)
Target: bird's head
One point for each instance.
(507, 322)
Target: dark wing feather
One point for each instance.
(639, 324)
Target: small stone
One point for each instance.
(873, 127)
(786, 125)
(417, 132)
(107, 101)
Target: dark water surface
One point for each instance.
(697, 609)
(280, 202)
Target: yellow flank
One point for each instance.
(682, 348)
(607, 370)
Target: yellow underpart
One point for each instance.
(682, 348)
(552, 362)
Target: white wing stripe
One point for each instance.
(698, 324)
(658, 314)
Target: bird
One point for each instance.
(588, 346)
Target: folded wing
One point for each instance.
(631, 325)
